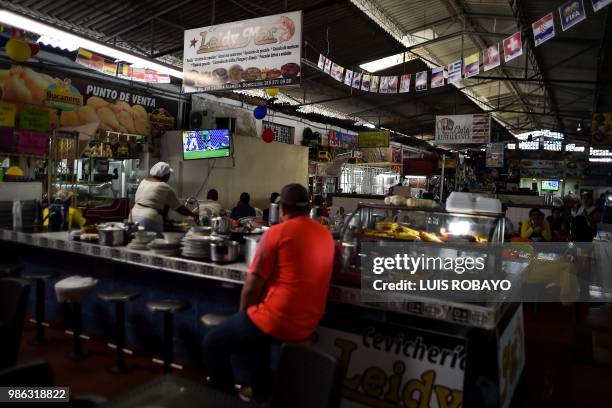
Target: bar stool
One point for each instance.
(73, 290)
(39, 278)
(210, 320)
(167, 307)
(119, 298)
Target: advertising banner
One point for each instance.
(378, 138)
(256, 53)
(571, 13)
(387, 365)
(7, 114)
(463, 129)
(34, 119)
(342, 140)
(495, 155)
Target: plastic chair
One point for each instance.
(13, 299)
(307, 377)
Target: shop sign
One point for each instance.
(7, 114)
(63, 95)
(463, 129)
(255, 53)
(495, 155)
(378, 138)
(388, 365)
(161, 119)
(34, 119)
(511, 357)
(33, 143)
(601, 128)
(448, 163)
(342, 140)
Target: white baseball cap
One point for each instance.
(160, 169)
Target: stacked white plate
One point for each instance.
(197, 246)
(141, 239)
(163, 247)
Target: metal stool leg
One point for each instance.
(120, 363)
(77, 352)
(39, 313)
(168, 346)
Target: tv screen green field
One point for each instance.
(206, 144)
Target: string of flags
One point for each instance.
(570, 13)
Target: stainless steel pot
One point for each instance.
(111, 236)
(221, 225)
(250, 248)
(224, 251)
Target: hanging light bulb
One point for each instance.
(579, 128)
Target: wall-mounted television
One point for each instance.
(206, 144)
(550, 185)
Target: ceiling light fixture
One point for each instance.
(65, 38)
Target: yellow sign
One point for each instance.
(448, 164)
(378, 138)
(64, 96)
(7, 114)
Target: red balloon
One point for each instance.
(34, 47)
(267, 135)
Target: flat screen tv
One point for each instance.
(206, 144)
(550, 185)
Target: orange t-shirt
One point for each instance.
(295, 258)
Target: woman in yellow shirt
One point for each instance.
(75, 218)
(536, 228)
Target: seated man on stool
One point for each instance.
(283, 298)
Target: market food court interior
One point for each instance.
(309, 204)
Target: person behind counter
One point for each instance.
(318, 202)
(283, 297)
(211, 205)
(584, 223)
(154, 197)
(243, 208)
(536, 227)
(266, 213)
(52, 215)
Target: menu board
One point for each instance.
(256, 53)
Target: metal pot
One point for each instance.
(274, 215)
(250, 248)
(221, 225)
(224, 251)
(111, 236)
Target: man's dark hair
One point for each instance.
(245, 198)
(274, 196)
(294, 200)
(534, 210)
(212, 195)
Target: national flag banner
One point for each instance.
(337, 72)
(405, 83)
(124, 71)
(384, 85)
(513, 47)
(374, 83)
(109, 68)
(321, 63)
(420, 83)
(471, 65)
(348, 77)
(599, 4)
(357, 80)
(365, 82)
(437, 77)
(139, 74)
(90, 60)
(490, 57)
(454, 71)
(543, 29)
(327, 67)
(393, 83)
(571, 13)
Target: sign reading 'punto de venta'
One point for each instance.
(255, 53)
(462, 129)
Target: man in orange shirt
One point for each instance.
(283, 298)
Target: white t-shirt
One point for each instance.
(152, 197)
(210, 206)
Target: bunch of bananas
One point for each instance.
(387, 229)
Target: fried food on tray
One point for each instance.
(429, 237)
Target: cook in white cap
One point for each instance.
(154, 197)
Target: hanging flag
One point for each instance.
(124, 71)
(599, 4)
(454, 71)
(374, 83)
(513, 47)
(365, 82)
(490, 57)
(321, 63)
(420, 83)
(393, 83)
(471, 65)
(405, 83)
(543, 29)
(327, 68)
(437, 77)
(357, 80)
(384, 85)
(337, 72)
(348, 77)
(571, 13)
